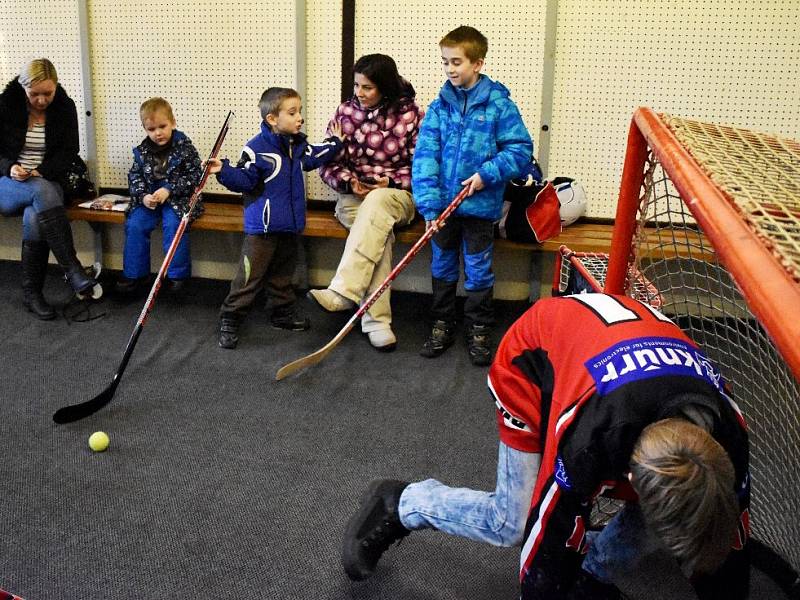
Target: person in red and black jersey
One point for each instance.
(594, 394)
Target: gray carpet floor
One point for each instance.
(219, 481)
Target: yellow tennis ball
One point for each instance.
(99, 441)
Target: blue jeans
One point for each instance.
(138, 226)
(32, 196)
(497, 518)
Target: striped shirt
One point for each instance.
(33, 151)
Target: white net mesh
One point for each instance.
(697, 292)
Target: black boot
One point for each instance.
(34, 270)
(58, 233)
(479, 345)
(288, 317)
(372, 529)
(440, 339)
(228, 331)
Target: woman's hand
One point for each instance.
(149, 202)
(18, 173)
(214, 165)
(362, 187)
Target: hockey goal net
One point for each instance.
(709, 216)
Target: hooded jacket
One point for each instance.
(270, 177)
(180, 175)
(61, 131)
(464, 132)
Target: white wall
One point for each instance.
(726, 61)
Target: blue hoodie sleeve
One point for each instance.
(317, 155)
(425, 168)
(515, 148)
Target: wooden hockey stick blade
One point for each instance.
(312, 359)
(76, 412)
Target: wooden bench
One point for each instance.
(321, 223)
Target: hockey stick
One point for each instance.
(312, 359)
(75, 412)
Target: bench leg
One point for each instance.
(541, 275)
(98, 232)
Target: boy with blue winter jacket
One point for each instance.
(472, 136)
(270, 177)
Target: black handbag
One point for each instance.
(76, 183)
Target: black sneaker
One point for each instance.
(440, 339)
(228, 332)
(289, 318)
(479, 345)
(174, 286)
(129, 287)
(372, 529)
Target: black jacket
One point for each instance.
(61, 131)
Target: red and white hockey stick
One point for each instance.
(312, 359)
(75, 412)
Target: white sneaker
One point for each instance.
(383, 340)
(331, 301)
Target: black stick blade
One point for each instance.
(76, 412)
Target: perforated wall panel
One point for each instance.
(35, 29)
(203, 57)
(323, 78)
(714, 60)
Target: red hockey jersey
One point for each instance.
(577, 379)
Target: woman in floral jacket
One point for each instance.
(372, 174)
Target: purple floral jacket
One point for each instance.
(379, 143)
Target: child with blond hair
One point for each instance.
(165, 171)
(594, 394)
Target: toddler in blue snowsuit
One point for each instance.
(472, 135)
(269, 175)
(166, 170)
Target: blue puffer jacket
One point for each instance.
(464, 132)
(270, 176)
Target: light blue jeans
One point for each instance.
(32, 196)
(497, 518)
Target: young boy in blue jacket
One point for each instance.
(270, 177)
(472, 136)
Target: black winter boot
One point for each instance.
(58, 233)
(479, 345)
(440, 339)
(228, 331)
(288, 317)
(373, 528)
(34, 271)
